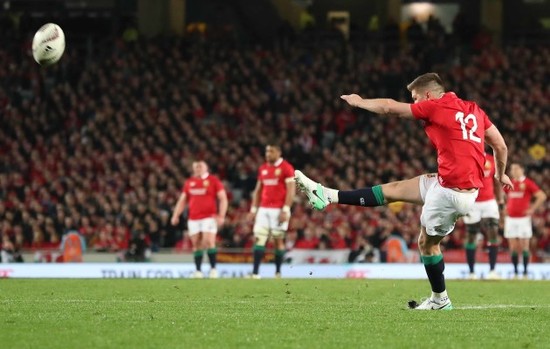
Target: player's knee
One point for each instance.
(492, 224)
(428, 246)
(260, 236)
(473, 229)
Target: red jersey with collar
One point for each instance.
(456, 128)
(202, 194)
(519, 198)
(488, 191)
(273, 179)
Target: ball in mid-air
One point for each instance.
(48, 44)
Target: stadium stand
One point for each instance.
(103, 146)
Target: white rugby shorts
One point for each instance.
(268, 219)
(518, 227)
(442, 206)
(482, 209)
(205, 225)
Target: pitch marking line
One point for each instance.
(500, 306)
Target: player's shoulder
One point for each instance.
(213, 177)
(288, 166)
(530, 181)
(286, 163)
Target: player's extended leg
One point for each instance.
(279, 240)
(470, 245)
(524, 245)
(196, 241)
(431, 256)
(209, 243)
(379, 195)
(490, 226)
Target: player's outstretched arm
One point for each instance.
(385, 106)
(500, 150)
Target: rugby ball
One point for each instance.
(48, 44)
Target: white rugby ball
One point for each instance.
(48, 44)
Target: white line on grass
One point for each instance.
(86, 301)
(500, 306)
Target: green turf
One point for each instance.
(238, 313)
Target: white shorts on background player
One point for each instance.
(268, 219)
(518, 227)
(205, 225)
(482, 209)
(442, 206)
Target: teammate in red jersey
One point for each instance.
(484, 216)
(458, 130)
(517, 226)
(207, 209)
(271, 202)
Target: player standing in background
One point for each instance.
(207, 209)
(484, 216)
(271, 202)
(458, 130)
(517, 226)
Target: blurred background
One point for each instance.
(102, 142)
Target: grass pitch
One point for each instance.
(287, 313)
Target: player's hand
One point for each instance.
(220, 220)
(175, 220)
(251, 216)
(283, 217)
(529, 211)
(506, 182)
(353, 99)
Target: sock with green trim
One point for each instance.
(370, 197)
(493, 253)
(212, 252)
(471, 255)
(435, 266)
(515, 261)
(525, 261)
(198, 259)
(279, 256)
(259, 252)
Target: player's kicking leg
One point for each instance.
(320, 196)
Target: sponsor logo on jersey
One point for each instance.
(516, 195)
(270, 181)
(198, 191)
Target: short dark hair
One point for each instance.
(427, 81)
(274, 145)
(518, 164)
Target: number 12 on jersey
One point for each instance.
(464, 124)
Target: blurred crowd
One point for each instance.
(103, 146)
